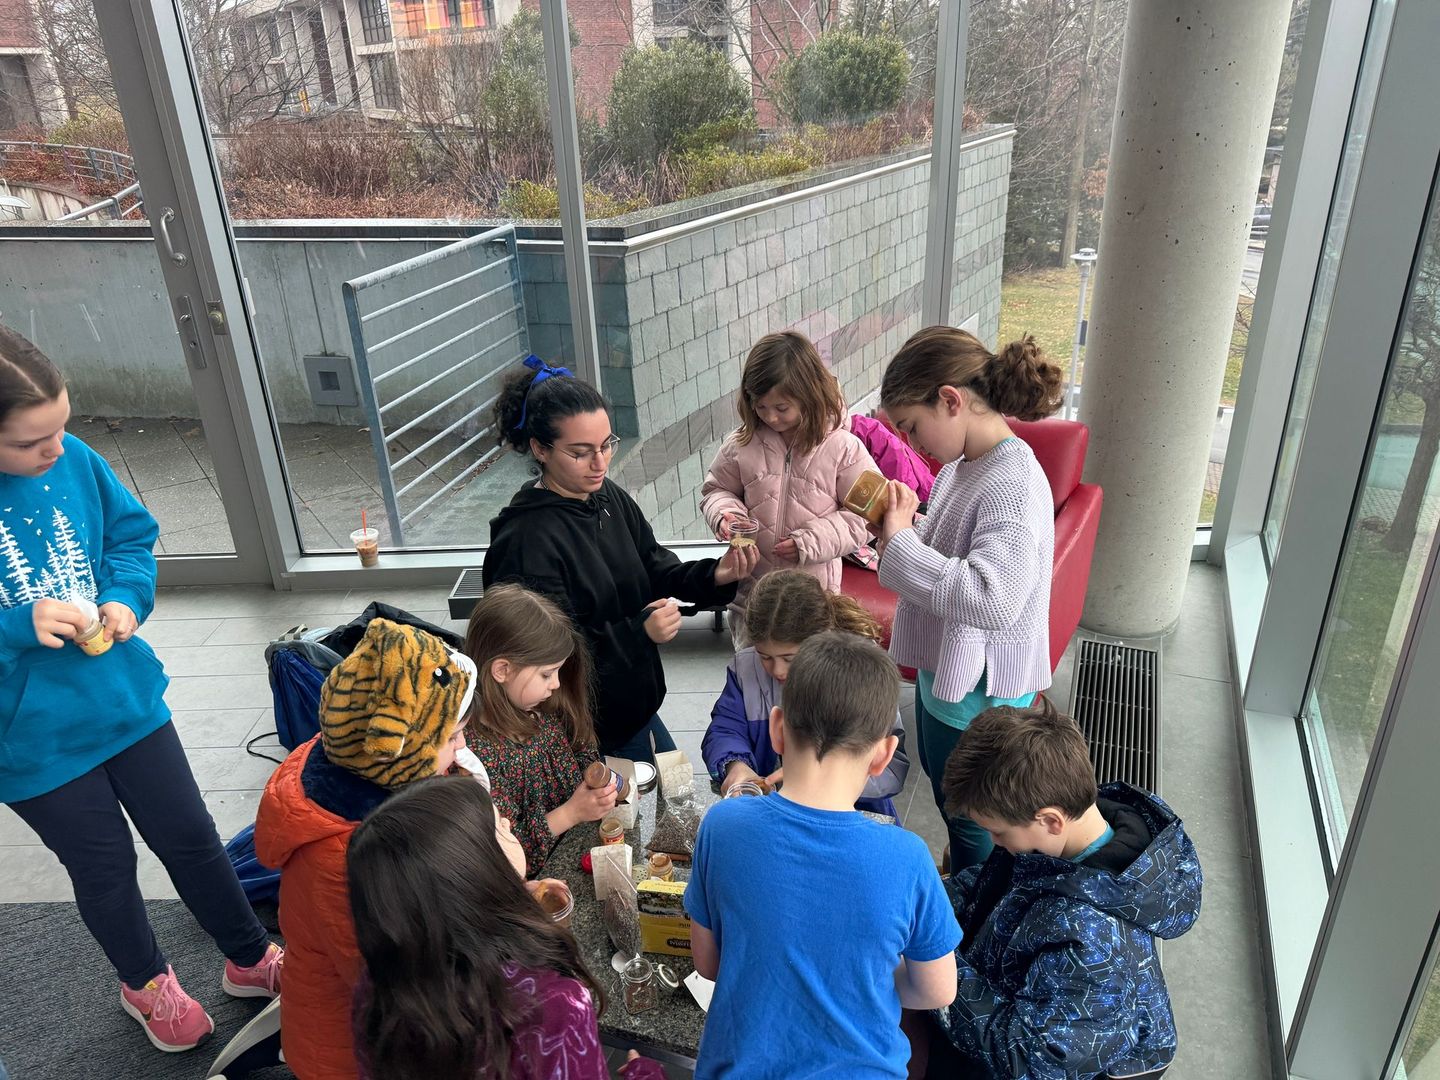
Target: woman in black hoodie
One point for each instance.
(579, 538)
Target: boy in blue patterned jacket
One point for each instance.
(1058, 976)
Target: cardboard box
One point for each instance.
(664, 898)
(662, 934)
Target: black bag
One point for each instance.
(343, 639)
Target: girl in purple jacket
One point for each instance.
(466, 975)
(786, 607)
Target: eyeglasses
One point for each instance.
(606, 449)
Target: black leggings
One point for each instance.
(82, 824)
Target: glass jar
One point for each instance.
(744, 787)
(641, 993)
(662, 867)
(611, 831)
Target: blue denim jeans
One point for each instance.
(637, 747)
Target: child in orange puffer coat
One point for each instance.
(391, 713)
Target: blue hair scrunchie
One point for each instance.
(544, 371)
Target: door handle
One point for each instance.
(179, 258)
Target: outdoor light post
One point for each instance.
(1085, 260)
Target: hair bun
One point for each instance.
(1020, 381)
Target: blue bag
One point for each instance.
(297, 672)
(260, 883)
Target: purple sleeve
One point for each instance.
(643, 1069)
(562, 1041)
(727, 737)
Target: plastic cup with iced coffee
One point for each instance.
(367, 545)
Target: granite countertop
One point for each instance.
(672, 1030)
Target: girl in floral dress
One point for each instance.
(530, 725)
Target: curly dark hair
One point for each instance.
(542, 406)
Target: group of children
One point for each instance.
(414, 946)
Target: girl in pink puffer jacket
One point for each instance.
(788, 466)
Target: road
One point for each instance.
(1250, 275)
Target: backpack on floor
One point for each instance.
(261, 884)
(298, 667)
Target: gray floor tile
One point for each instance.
(155, 883)
(215, 727)
(214, 539)
(184, 660)
(263, 725)
(185, 506)
(431, 598)
(688, 711)
(317, 476)
(230, 769)
(260, 630)
(924, 818)
(240, 601)
(232, 691)
(1200, 764)
(163, 468)
(695, 660)
(1198, 645)
(13, 831)
(1060, 686)
(232, 810)
(34, 876)
(162, 632)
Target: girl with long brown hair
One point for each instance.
(974, 576)
(530, 724)
(788, 466)
(786, 608)
(466, 976)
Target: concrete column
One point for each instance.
(1197, 84)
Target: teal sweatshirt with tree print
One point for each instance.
(73, 532)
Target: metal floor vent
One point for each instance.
(1115, 698)
(468, 589)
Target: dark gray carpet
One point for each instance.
(60, 1016)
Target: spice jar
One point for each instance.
(598, 774)
(611, 831)
(662, 867)
(554, 896)
(641, 993)
(91, 639)
(744, 787)
(868, 496)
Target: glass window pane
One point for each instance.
(1392, 532)
(739, 184)
(90, 293)
(1376, 43)
(1421, 1056)
(378, 133)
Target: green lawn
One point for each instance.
(1042, 302)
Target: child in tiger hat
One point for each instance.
(390, 714)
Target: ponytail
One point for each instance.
(535, 399)
(847, 614)
(1019, 381)
(27, 377)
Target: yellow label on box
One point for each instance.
(663, 934)
(664, 898)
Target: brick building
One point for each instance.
(27, 88)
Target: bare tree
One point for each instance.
(70, 37)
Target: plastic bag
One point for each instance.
(677, 828)
(620, 914)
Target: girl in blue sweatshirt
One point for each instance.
(82, 736)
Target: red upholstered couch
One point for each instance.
(1059, 446)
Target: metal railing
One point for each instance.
(83, 162)
(90, 163)
(113, 203)
(453, 317)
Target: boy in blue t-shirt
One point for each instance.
(815, 922)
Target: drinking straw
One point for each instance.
(363, 526)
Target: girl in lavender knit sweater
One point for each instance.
(974, 576)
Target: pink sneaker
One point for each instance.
(259, 980)
(172, 1019)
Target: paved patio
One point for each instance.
(168, 465)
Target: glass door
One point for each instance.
(103, 268)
